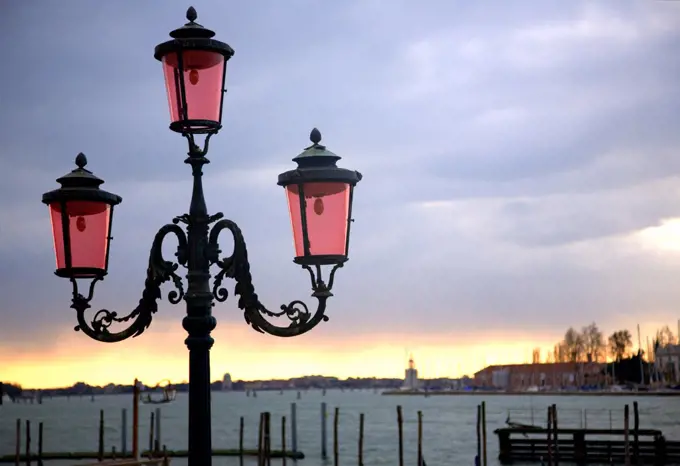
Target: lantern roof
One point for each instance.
(316, 149)
(318, 164)
(80, 185)
(192, 36)
(80, 177)
(192, 28)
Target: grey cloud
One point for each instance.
(542, 146)
(545, 224)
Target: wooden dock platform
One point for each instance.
(586, 446)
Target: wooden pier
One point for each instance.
(586, 446)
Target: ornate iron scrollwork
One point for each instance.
(158, 272)
(237, 267)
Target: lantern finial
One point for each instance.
(191, 14)
(315, 136)
(81, 160)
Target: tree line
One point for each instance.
(11, 389)
(590, 344)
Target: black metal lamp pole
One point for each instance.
(320, 199)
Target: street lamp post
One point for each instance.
(319, 200)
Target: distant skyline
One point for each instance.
(433, 359)
(521, 170)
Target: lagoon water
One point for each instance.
(449, 422)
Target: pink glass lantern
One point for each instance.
(326, 210)
(194, 66)
(320, 204)
(81, 215)
(84, 241)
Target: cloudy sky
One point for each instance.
(521, 163)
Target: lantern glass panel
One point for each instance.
(326, 210)
(88, 231)
(203, 80)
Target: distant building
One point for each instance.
(500, 378)
(254, 385)
(445, 383)
(522, 377)
(667, 362)
(312, 381)
(411, 376)
(226, 382)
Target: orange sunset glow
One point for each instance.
(160, 353)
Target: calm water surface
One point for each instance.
(449, 427)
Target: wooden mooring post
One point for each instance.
(40, 444)
(135, 420)
(100, 446)
(585, 418)
(420, 438)
(151, 431)
(555, 432)
(264, 440)
(626, 432)
(479, 435)
(360, 454)
(400, 427)
(483, 459)
(28, 442)
(548, 436)
(268, 438)
(17, 447)
(240, 442)
(260, 442)
(283, 440)
(324, 443)
(336, 452)
(636, 430)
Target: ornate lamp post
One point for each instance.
(319, 199)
